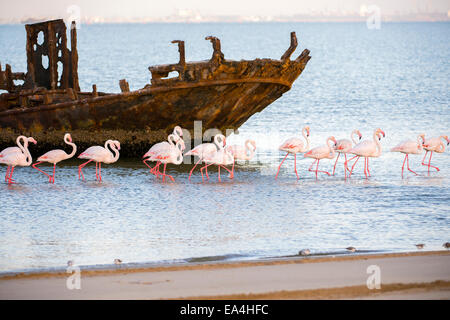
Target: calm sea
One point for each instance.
(395, 78)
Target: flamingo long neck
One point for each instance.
(18, 142)
(172, 138)
(114, 156)
(25, 150)
(306, 138)
(351, 136)
(377, 143)
(179, 158)
(419, 143)
(441, 147)
(217, 143)
(250, 149)
(74, 148)
(331, 151)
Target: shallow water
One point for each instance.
(396, 78)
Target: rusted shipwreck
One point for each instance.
(221, 93)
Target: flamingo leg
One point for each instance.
(407, 163)
(423, 160)
(349, 161)
(404, 161)
(10, 179)
(80, 167)
(345, 166)
(310, 167)
(155, 169)
(190, 173)
(317, 169)
(7, 173)
(365, 165)
(206, 168)
(368, 171)
(429, 163)
(276, 176)
(218, 173)
(353, 166)
(295, 165)
(35, 167)
(54, 170)
(100, 171)
(229, 171)
(337, 158)
(167, 175)
(232, 169)
(96, 171)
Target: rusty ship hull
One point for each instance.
(221, 93)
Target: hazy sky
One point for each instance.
(154, 8)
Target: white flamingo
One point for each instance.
(14, 150)
(172, 154)
(160, 147)
(206, 149)
(367, 149)
(99, 154)
(220, 158)
(294, 145)
(344, 146)
(14, 159)
(55, 156)
(245, 152)
(433, 145)
(322, 152)
(410, 147)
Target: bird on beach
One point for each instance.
(322, 152)
(70, 263)
(293, 146)
(351, 249)
(420, 245)
(206, 149)
(10, 150)
(220, 158)
(55, 156)
(304, 252)
(13, 159)
(117, 261)
(446, 245)
(344, 146)
(409, 147)
(433, 145)
(367, 149)
(171, 154)
(99, 155)
(164, 146)
(172, 139)
(239, 152)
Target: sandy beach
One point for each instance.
(415, 275)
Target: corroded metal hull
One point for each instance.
(223, 94)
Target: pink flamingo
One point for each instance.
(294, 145)
(13, 159)
(433, 145)
(367, 149)
(220, 158)
(99, 154)
(55, 156)
(206, 149)
(239, 152)
(344, 146)
(158, 148)
(10, 150)
(409, 147)
(323, 152)
(172, 154)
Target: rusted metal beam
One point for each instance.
(291, 48)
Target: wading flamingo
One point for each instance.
(367, 149)
(220, 158)
(433, 145)
(99, 154)
(344, 146)
(14, 150)
(206, 149)
(172, 139)
(172, 154)
(55, 156)
(323, 152)
(13, 159)
(239, 152)
(294, 145)
(160, 147)
(409, 147)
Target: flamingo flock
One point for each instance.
(220, 155)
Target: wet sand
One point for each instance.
(418, 275)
